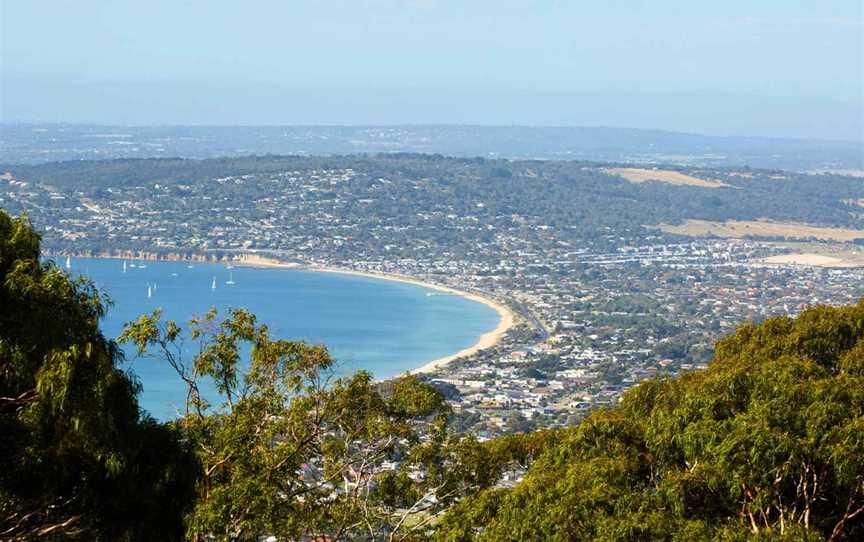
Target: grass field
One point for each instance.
(761, 228)
(636, 175)
(821, 253)
(816, 260)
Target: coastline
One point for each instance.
(506, 317)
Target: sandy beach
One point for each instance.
(255, 260)
(487, 340)
(506, 317)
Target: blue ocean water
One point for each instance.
(382, 326)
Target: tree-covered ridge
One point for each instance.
(40, 143)
(767, 443)
(400, 204)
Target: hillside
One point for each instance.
(415, 204)
(766, 444)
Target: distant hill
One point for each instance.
(39, 143)
(123, 203)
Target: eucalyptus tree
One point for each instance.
(288, 449)
(78, 460)
(766, 444)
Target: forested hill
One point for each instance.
(765, 444)
(381, 201)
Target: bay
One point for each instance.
(382, 326)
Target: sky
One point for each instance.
(783, 68)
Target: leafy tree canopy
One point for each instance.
(766, 444)
(77, 458)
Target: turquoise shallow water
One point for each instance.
(382, 326)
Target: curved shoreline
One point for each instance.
(506, 317)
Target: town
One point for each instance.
(595, 314)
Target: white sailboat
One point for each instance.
(68, 262)
(213, 285)
(230, 278)
(124, 266)
(149, 292)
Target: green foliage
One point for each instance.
(766, 444)
(289, 451)
(76, 458)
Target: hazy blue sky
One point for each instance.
(772, 67)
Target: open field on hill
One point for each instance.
(819, 254)
(760, 228)
(637, 175)
(817, 260)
